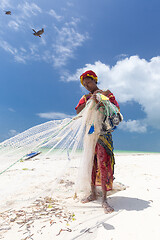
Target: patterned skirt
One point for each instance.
(103, 167)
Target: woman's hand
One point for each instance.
(94, 95)
(98, 91)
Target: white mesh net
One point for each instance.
(62, 142)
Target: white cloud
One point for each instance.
(53, 115)
(23, 49)
(68, 39)
(5, 4)
(43, 41)
(14, 25)
(131, 79)
(19, 54)
(74, 21)
(70, 4)
(11, 109)
(12, 133)
(28, 9)
(21, 17)
(54, 14)
(59, 42)
(138, 126)
(121, 56)
(20, 59)
(7, 47)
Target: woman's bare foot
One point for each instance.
(107, 207)
(90, 198)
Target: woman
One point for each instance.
(103, 167)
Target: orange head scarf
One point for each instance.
(90, 74)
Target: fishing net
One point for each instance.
(62, 141)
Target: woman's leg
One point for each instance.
(104, 162)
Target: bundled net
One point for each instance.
(64, 141)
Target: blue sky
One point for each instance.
(119, 40)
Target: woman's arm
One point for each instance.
(80, 107)
(106, 93)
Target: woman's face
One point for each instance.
(89, 84)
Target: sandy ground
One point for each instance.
(35, 206)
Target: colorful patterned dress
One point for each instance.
(103, 166)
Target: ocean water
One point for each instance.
(119, 152)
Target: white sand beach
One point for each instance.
(35, 206)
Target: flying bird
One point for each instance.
(38, 33)
(8, 12)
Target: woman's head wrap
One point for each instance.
(90, 74)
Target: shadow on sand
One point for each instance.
(119, 204)
(128, 203)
